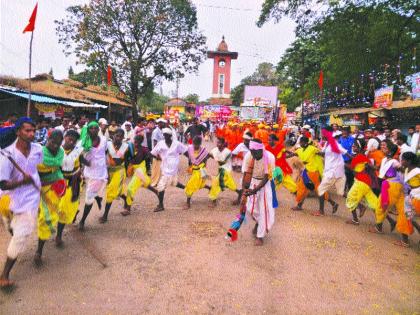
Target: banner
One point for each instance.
(383, 97)
(216, 112)
(261, 96)
(415, 85)
(256, 113)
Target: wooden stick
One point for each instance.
(90, 248)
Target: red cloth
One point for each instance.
(31, 25)
(362, 176)
(281, 161)
(331, 140)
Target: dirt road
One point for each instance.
(178, 262)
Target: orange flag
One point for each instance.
(109, 75)
(31, 25)
(321, 80)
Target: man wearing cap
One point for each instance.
(103, 128)
(259, 164)
(19, 176)
(168, 151)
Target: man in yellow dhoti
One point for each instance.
(412, 186)
(117, 151)
(137, 171)
(198, 156)
(310, 178)
(52, 189)
(392, 195)
(71, 170)
(224, 178)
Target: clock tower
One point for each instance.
(221, 70)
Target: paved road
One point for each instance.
(177, 262)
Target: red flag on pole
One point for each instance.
(31, 25)
(109, 75)
(321, 80)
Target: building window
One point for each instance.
(221, 84)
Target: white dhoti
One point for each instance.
(94, 187)
(260, 207)
(22, 226)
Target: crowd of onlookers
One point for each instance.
(407, 141)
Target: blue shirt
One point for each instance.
(346, 143)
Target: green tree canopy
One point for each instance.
(143, 41)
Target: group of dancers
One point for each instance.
(43, 184)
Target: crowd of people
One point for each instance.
(45, 166)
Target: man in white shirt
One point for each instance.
(334, 174)
(402, 144)
(95, 171)
(65, 125)
(168, 151)
(157, 134)
(373, 143)
(103, 128)
(259, 164)
(22, 184)
(415, 141)
(224, 178)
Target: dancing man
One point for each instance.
(95, 172)
(117, 154)
(168, 152)
(52, 190)
(259, 205)
(19, 176)
(197, 156)
(137, 171)
(224, 178)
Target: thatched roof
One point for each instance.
(66, 89)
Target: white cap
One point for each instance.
(306, 127)
(167, 131)
(337, 133)
(102, 121)
(161, 120)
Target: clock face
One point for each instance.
(222, 63)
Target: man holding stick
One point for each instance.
(19, 177)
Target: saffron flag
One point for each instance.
(321, 80)
(109, 75)
(31, 25)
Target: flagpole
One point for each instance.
(109, 106)
(28, 110)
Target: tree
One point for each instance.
(347, 44)
(152, 101)
(143, 41)
(192, 98)
(51, 73)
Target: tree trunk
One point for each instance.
(134, 110)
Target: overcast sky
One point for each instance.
(235, 19)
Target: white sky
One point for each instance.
(237, 24)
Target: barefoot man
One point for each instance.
(260, 199)
(168, 151)
(22, 183)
